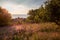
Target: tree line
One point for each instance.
(48, 13)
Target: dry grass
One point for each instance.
(41, 31)
(41, 27)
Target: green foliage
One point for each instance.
(5, 17)
(49, 13)
(38, 15)
(53, 7)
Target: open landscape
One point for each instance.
(30, 20)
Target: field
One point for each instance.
(41, 31)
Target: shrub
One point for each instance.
(5, 17)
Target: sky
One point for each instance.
(20, 6)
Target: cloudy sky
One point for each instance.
(20, 6)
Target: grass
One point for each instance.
(41, 31)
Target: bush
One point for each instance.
(5, 17)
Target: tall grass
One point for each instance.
(41, 31)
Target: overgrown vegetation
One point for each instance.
(49, 13)
(43, 31)
(5, 17)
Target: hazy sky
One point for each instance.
(20, 6)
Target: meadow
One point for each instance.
(35, 31)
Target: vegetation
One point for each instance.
(49, 13)
(43, 31)
(54, 10)
(5, 17)
(41, 24)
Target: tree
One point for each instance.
(38, 15)
(32, 15)
(49, 13)
(5, 17)
(53, 7)
(43, 15)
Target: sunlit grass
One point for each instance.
(41, 31)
